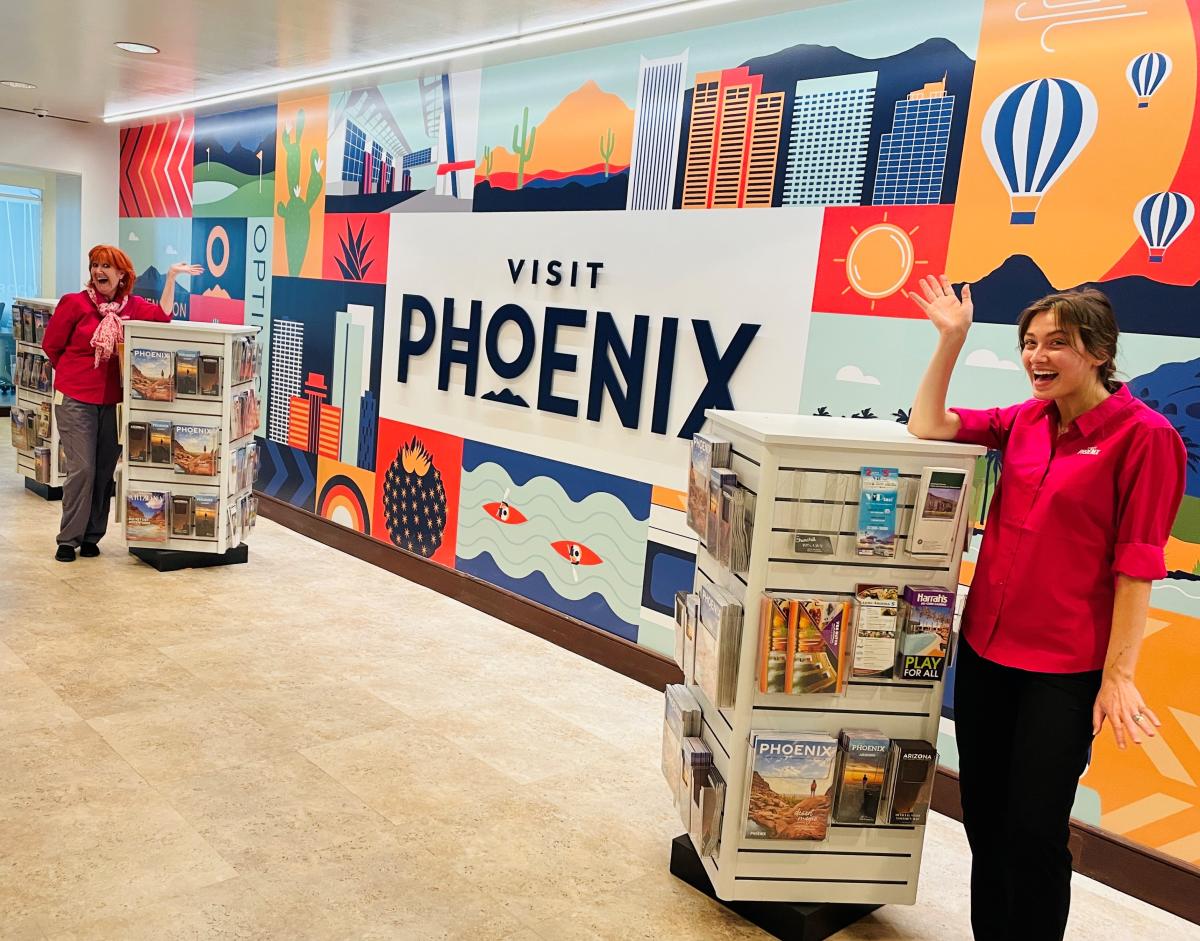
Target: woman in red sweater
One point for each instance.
(1091, 481)
(80, 342)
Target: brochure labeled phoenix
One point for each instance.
(791, 785)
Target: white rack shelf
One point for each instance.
(31, 398)
(776, 457)
(208, 339)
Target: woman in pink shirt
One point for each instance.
(1092, 480)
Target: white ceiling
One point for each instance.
(217, 46)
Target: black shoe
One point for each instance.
(89, 550)
(65, 554)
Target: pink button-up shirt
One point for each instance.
(1069, 513)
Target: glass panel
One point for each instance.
(20, 248)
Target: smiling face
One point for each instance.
(106, 277)
(1056, 362)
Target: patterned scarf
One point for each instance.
(109, 331)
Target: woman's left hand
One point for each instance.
(1120, 702)
(182, 267)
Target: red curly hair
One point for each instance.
(111, 255)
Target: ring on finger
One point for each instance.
(1138, 717)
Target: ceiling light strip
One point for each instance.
(426, 58)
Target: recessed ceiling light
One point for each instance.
(10, 83)
(139, 47)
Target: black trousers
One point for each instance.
(1023, 742)
(89, 440)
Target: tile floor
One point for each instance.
(306, 747)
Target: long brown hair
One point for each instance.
(111, 255)
(1085, 313)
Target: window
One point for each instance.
(352, 159)
(20, 247)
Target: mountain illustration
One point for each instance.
(1141, 305)
(898, 75)
(1173, 390)
(568, 138)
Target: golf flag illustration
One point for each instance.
(1160, 219)
(1146, 73)
(1032, 133)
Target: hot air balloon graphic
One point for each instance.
(1146, 73)
(1032, 133)
(1160, 219)
(577, 554)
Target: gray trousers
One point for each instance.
(89, 440)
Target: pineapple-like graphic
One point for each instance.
(414, 500)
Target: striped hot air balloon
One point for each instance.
(1032, 133)
(1146, 73)
(1160, 219)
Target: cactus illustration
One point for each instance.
(488, 155)
(295, 213)
(606, 149)
(523, 149)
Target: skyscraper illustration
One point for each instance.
(656, 123)
(730, 161)
(287, 355)
(368, 429)
(912, 158)
(830, 140)
(315, 425)
(352, 337)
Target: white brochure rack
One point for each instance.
(207, 339)
(793, 464)
(29, 399)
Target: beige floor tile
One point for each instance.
(226, 910)
(27, 702)
(169, 743)
(257, 814)
(43, 769)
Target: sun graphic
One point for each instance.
(880, 260)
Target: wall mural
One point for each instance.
(460, 378)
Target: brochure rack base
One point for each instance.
(788, 921)
(172, 560)
(45, 491)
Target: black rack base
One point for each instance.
(45, 491)
(172, 560)
(788, 921)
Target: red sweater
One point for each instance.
(68, 344)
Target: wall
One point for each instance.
(497, 302)
(61, 147)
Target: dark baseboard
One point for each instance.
(1166, 883)
(1160, 880)
(617, 654)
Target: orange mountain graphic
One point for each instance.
(569, 137)
(216, 291)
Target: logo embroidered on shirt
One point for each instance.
(1088, 451)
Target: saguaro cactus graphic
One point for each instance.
(488, 157)
(295, 213)
(524, 148)
(606, 149)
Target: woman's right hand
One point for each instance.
(951, 316)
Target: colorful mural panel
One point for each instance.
(417, 482)
(233, 171)
(570, 538)
(345, 494)
(300, 187)
(153, 245)
(156, 169)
